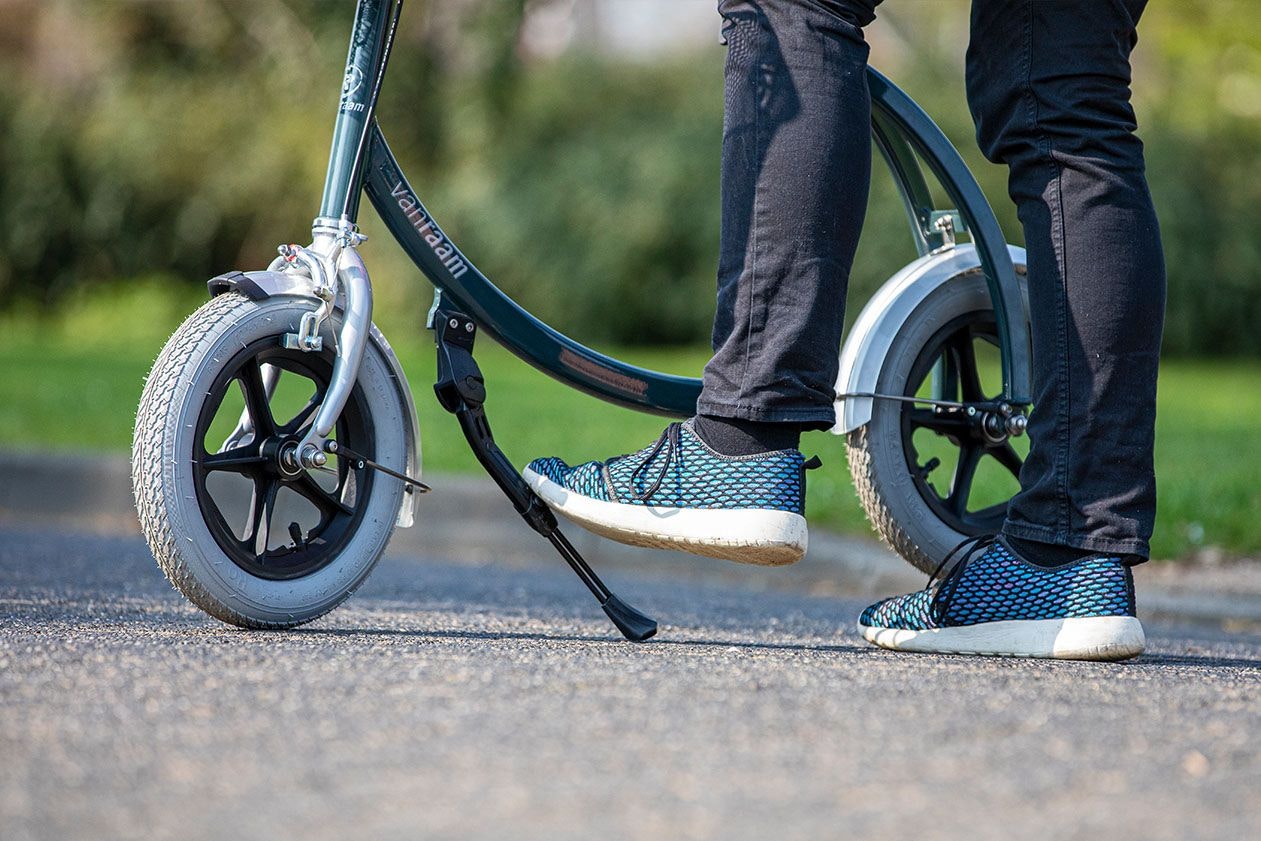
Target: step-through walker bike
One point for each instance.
(277, 446)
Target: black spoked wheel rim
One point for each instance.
(271, 520)
(953, 352)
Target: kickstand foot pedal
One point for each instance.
(461, 390)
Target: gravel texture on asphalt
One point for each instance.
(453, 700)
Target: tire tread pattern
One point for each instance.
(883, 520)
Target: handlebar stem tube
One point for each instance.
(369, 50)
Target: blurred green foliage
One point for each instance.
(170, 140)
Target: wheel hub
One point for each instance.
(996, 427)
(991, 428)
(285, 458)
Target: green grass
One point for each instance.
(73, 383)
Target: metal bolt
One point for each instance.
(468, 327)
(313, 456)
(971, 411)
(453, 323)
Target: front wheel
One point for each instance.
(930, 477)
(234, 526)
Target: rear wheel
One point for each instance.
(235, 525)
(928, 477)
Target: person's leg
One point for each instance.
(1049, 88)
(796, 162)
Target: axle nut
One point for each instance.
(313, 457)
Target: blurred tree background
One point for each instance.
(160, 143)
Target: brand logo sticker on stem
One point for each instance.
(350, 86)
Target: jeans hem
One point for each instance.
(1042, 534)
(745, 411)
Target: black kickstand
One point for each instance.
(461, 390)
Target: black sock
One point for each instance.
(736, 437)
(1047, 554)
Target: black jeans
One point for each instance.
(1049, 88)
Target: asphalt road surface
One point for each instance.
(451, 700)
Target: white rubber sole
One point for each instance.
(1093, 638)
(746, 536)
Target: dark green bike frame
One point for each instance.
(361, 161)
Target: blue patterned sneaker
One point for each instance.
(994, 602)
(680, 494)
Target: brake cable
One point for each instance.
(362, 461)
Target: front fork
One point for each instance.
(334, 269)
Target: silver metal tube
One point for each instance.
(351, 341)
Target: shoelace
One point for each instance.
(668, 438)
(962, 555)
